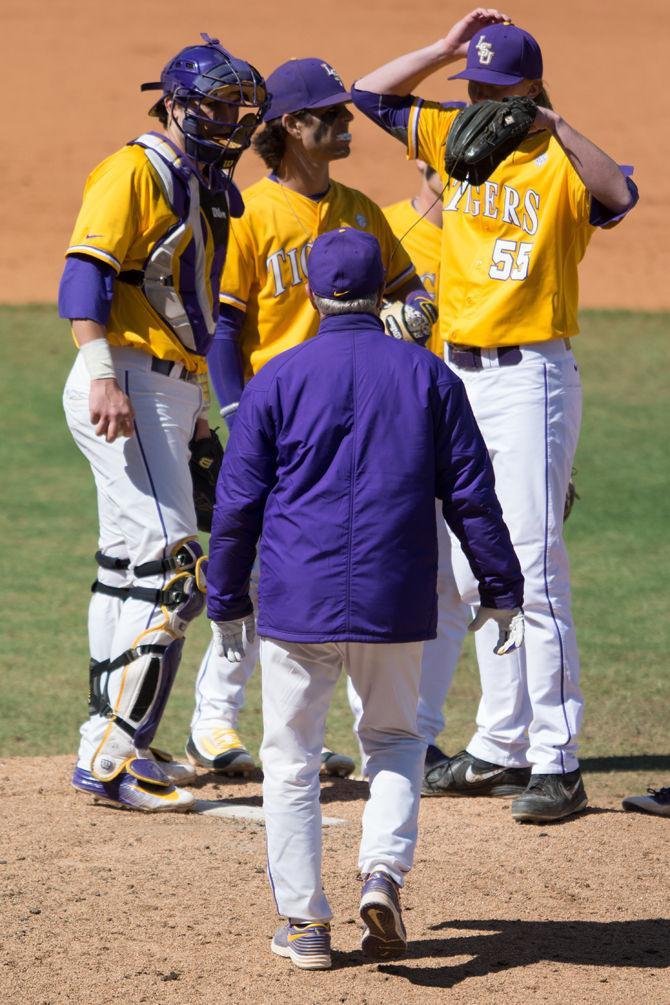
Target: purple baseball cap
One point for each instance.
(345, 264)
(303, 83)
(502, 54)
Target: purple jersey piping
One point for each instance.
(546, 548)
(415, 127)
(153, 492)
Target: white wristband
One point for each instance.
(229, 409)
(98, 359)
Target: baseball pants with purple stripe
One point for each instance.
(529, 415)
(440, 655)
(145, 503)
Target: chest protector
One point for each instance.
(187, 311)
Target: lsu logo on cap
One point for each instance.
(484, 51)
(333, 73)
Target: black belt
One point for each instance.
(166, 366)
(470, 356)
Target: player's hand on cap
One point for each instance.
(545, 118)
(457, 38)
(510, 627)
(232, 637)
(111, 410)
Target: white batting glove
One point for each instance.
(510, 625)
(231, 637)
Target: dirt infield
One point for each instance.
(74, 70)
(101, 905)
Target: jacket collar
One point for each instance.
(350, 323)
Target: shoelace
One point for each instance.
(662, 795)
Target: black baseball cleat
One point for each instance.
(434, 768)
(465, 775)
(551, 797)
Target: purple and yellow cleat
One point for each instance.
(142, 785)
(384, 935)
(306, 945)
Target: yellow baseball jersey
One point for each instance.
(423, 245)
(510, 247)
(124, 215)
(265, 274)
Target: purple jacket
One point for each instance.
(339, 449)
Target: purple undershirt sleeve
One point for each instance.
(601, 216)
(224, 359)
(86, 289)
(390, 111)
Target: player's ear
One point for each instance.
(380, 298)
(292, 125)
(535, 88)
(311, 298)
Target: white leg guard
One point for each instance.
(141, 678)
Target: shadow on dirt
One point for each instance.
(333, 790)
(641, 762)
(504, 945)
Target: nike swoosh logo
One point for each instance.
(374, 916)
(91, 236)
(471, 776)
(342, 294)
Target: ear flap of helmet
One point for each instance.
(154, 85)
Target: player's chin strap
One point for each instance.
(132, 689)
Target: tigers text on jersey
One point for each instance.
(510, 247)
(422, 241)
(124, 216)
(266, 264)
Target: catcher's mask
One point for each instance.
(211, 85)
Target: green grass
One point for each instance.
(617, 536)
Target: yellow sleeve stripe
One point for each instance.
(104, 256)
(228, 298)
(413, 130)
(399, 280)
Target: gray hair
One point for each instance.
(362, 305)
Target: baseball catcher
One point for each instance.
(152, 230)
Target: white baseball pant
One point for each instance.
(440, 655)
(221, 685)
(529, 415)
(145, 501)
(298, 683)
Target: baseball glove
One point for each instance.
(484, 134)
(205, 464)
(403, 321)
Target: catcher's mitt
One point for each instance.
(483, 135)
(407, 322)
(205, 464)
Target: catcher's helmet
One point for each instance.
(210, 74)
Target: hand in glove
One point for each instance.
(510, 626)
(231, 637)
